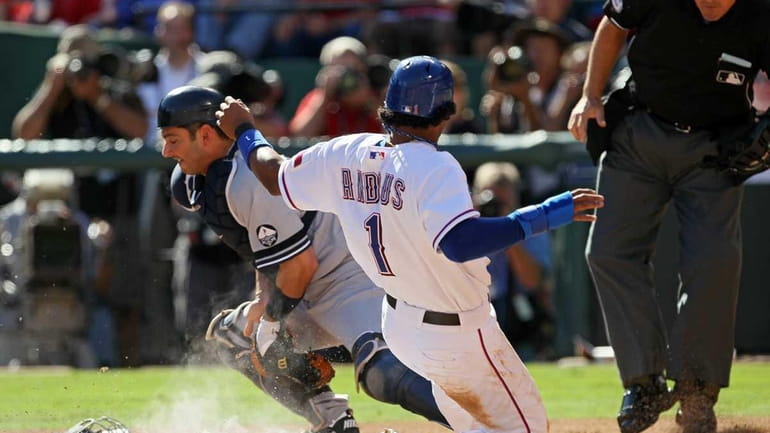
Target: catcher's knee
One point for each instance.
(376, 369)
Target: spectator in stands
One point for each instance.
(521, 284)
(464, 120)
(177, 60)
(245, 80)
(557, 12)
(17, 11)
(481, 24)
(303, 32)
(415, 30)
(569, 86)
(522, 77)
(76, 99)
(63, 13)
(379, 68)
(342, 102)
(139, 15)
(244, 32)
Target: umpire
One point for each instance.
(693, 63)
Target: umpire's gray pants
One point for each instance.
(645, 171)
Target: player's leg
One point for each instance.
(474, 365)
(326, 412)
(635, 179)
(352, 312)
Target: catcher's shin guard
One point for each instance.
(320, 406)
(384, 378)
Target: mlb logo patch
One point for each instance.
(730, 77)
(376, 154)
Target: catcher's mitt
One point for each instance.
(307, 368)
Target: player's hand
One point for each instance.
(586, 199)
(266, 334)
(585, 109)
(231, 114)
(254, 312)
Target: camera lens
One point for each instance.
(349, 81)
(512, 64)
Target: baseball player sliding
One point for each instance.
(409, 221)
(315, 296)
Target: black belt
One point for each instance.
(678, 126)
(432, 317)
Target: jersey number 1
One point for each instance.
(374, 228)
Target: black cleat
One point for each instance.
(643, 403)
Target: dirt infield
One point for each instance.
(600, 425)
(665, 425)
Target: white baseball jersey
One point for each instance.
(395, 205)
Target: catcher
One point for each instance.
(315, 295)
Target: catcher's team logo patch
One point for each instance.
(267, 235)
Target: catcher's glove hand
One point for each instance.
(307, 368)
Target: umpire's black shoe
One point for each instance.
(696, 408)
(643, 403)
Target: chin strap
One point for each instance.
(392, 130)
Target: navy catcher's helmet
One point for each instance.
(419, 86)
(189, 104)
(99, 425)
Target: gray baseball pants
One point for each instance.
(651, 166)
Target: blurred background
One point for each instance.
(98, 268)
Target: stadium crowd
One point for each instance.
(535, 54)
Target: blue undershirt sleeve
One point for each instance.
(479, 237)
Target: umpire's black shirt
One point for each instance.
(675, 57)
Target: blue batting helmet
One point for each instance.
(419, 86)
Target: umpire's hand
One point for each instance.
(586, 199)
(587, 108)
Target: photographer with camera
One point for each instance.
(77, 99)
(343, 101)
(522, 77)
(521, 284)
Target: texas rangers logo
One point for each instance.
(267, 235)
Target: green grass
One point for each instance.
(55, 399)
